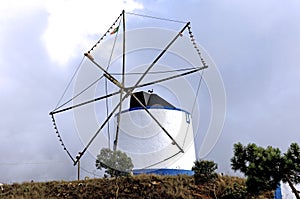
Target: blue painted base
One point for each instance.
(170, 172)
(278, 194)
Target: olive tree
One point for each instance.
(116, 163)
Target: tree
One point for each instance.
(291, 168)
(116, 163)
(266, 167)
(204, 171)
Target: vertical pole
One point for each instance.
(124, 50)
(121, 89)
(78, 170)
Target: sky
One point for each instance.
(254, 44)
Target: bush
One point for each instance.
(237, 191)
(204, 171)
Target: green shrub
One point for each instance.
(237, 191)
(204, 171)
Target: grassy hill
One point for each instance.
(142, 186)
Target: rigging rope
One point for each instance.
(60, 138)
(159, 18)
(167, 78)
(89, 86)
(156, 72)
(164, 160)
(201, 76)
(195, 44)
(197, 92)
(101, 38)
(193, 107)
(73, 76)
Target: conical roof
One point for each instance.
(148, 100)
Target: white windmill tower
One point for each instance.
(157, 135)
(153, 130)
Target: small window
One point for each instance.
(187, 118)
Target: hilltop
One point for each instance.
(141, 186)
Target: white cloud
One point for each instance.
(12, 14)
(12, 11)
(71, 23)
(17, 8)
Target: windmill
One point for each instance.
(150, 129)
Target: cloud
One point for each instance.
(27, 92)
(30, 85)
(71, 24)
(15, 8)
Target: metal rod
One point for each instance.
(167, 78)
(99, 130)
(84, 103)
(106, 74)
(121, 89)
(78, 170)
(157, 122)
(162, 53)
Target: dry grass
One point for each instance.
(142, 186)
